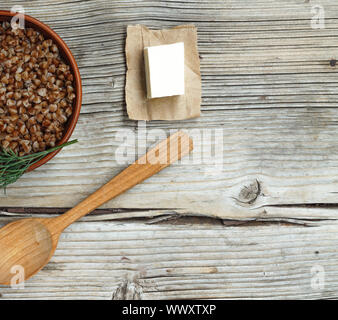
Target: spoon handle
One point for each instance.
(165, 153)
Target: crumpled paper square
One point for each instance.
(167, 108)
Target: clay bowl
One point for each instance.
(67, 56)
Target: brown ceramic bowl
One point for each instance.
(69, 59)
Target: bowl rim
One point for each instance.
(40, 26)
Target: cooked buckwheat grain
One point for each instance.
(36, 91)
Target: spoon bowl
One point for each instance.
(25, 246)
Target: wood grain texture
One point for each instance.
(269, 81)
(119, 260)
(166, 153)
(30, 243)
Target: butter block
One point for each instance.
(164, 67)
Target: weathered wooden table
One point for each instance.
(265, 226)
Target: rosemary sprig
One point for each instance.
(12, 166)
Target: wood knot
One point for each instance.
(333, 62)
(249, 193)
(128, 291)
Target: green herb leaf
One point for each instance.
(12, 167)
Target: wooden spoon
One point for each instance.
(30, 243)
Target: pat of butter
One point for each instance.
(164, 66)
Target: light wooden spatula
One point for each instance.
(30, 243)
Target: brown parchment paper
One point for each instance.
(167, 108)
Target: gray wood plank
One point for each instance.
(267, 83)
(119, 260)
